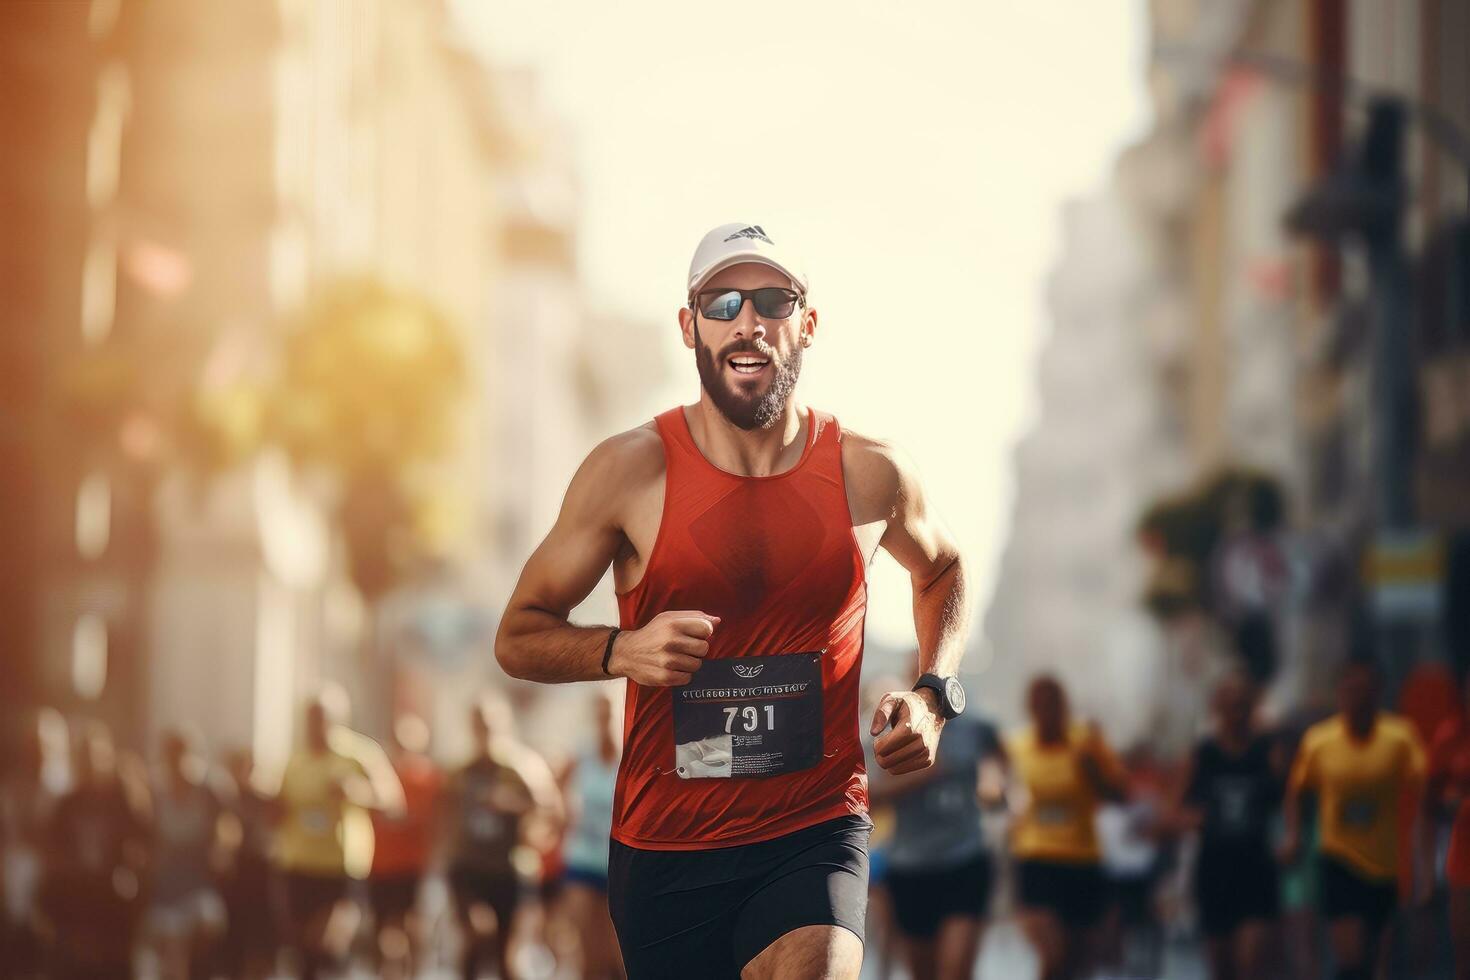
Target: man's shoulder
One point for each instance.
(1399, 728)
(871, 462)
(630, 455)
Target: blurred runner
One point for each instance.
(323, 835)
(487, 802)
(186, 916)
(590, 806)
(1133, 863)
(1362, 765)
(1067, 770)
(401, 846)
(738, 530)
(97, 847)
(28, 794)
(939, 875)
(249, 949)
(1229, 792)
(1449, 788)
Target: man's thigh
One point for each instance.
(809, 953)
(811, 907)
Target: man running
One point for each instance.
(1366, 767)
(97, 847)
(401, 846)
(487, 803)
(325, 836)
(1449, 790)
(1067, 771)
(1229, 792)
(593, 781)
(249, 951)
(739, 529)
(187, 916)
(939, 873)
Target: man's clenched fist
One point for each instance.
(666, 651)
(913, 741)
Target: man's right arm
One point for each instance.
(536, 642)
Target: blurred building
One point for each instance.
(1253, 369)
(185, 177)
(1066, 595)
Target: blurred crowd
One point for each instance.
(1315, 849)
(354, 857)
(1329, 847)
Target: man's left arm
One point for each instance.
(918, 540)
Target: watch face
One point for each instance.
(954, 693)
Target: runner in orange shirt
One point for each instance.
(402, 843)
(1449, 787)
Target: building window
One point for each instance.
(99, 289)
(89, 656)
(94, 515)
(102, 17)
(104, 139)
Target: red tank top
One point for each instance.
(764, 741)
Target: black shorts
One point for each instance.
(1233, 887)
(393, 896)
(501, 890)
(1346, 893)
(249, 903)
(1075, 893)
(923, 899)
(306, 898)
(707, 913)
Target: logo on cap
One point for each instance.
(751, 231)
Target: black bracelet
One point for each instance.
(607, 654)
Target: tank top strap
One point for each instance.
(827, 438)
(680, 452)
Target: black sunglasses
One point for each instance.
(724, 304)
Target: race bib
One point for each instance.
(318, 820)
(1233, 804)
(1053, 814)
(749, 716)
(484, 825)
(1358, 812)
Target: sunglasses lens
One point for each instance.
(721, 306)
(773, 301)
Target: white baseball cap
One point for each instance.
(739, 242)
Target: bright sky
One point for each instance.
(919, 153)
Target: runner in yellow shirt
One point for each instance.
(1067, 770)
(324, 836)
(1362, 764)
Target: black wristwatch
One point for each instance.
(951, 693)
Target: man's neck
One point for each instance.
(753, 452)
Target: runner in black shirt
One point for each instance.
(1232, 787)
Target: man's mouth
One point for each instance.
(748, 364)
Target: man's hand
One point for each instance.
(913, 742)
(667, 651)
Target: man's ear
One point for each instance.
(808, 326)
(686, 326)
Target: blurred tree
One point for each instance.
(1183, 532)
(370, 381)
(365, 389)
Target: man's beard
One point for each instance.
(747, 411)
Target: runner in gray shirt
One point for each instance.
(939, 872)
